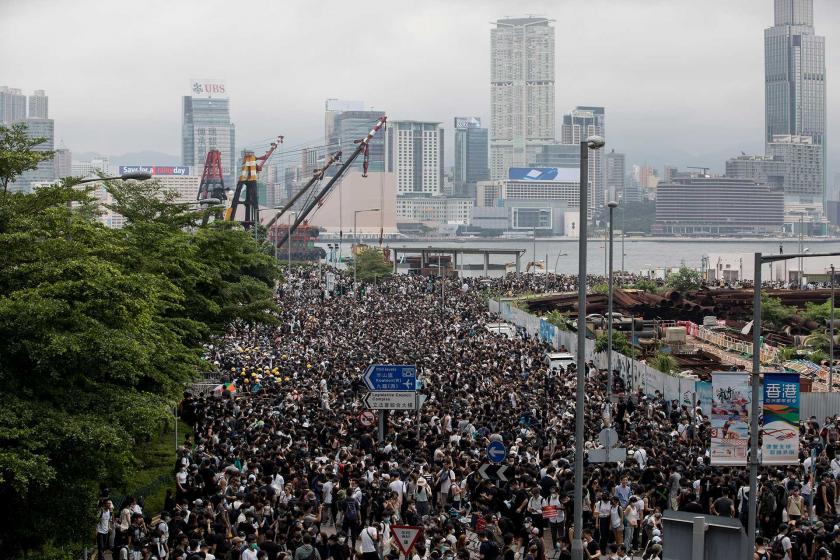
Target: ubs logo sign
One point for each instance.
(208, 88)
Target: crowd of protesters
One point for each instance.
(281, 467)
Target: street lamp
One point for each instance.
(356, 241)
(289, 242)
(132, 175)
(611, 205)
(591, 143)
(756, 375)
(831, 337)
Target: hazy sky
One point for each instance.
(681, 80)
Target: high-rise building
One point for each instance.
(63, 162)
(556, 155)
(45, 172)
(206, 126)
(414, 153)
(705, 205)
(471, 145)
(12, 105)
(794, 65)
(768, 170)
(345, 128)
(38, 105)
(90, 168)
(803, 166)
(616, 171)
(521, 91)
(578, 125)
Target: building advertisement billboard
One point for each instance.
(462, 123)
(731, 401)
(207, 88)
(780, 444)
(544, 174)
(177, 170)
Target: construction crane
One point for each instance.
(317, 175)
(361, 148)
(251, 166)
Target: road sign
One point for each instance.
(608, 455)
(405, 536)
(608, 437)
(496, 451)
(390, 400)
(488, 472)
(391, 377)
(367, 418)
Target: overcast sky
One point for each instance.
(681, 80)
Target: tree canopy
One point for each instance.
(371, 264)
(17, 154)
(100, 330)
(684, 279)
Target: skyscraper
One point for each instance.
(206, 125)
(45, 172)
(12, 105)
(471, 144)
(414, 153)
(616, 172)
(38, 105)
(795, 104)
(347, 127)
(63, 163)
(578, 125)
(521, 91)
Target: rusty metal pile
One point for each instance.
(732, 304)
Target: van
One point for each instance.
(558, 360)
(505, 329)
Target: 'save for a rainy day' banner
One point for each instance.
(780, 442)
(731, 402)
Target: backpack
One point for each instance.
(351, 510)
(776, 548)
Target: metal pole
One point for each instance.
(698, 538)
(755, 381)
(534, 264)
(381, 430)
(355, 242)
(801, 243)
(610, 318)
(577, 542)
(440, 271)
(831, 337)
(175, 410)
(290, 244)
(546, 272)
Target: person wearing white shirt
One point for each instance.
(555, 524)
(370, 538)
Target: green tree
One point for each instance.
(17, 154)
(684, 280)
(665, 363)
(602, 288)
(645, 285)
(773, 313)
(100, 330)
(371, 264)
(559, 320)
(619, 343)
(786, 353)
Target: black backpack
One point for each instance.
(777, 550)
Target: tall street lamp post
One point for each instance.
(591, 143)
(755, 379)
(289, 242)
(831, 337)
(612, 205)
(134, 175)
(356, 241)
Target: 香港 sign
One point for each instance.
(780, 443)
(179, 170)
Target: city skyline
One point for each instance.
(711, 109)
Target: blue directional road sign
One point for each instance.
(496, 451)
(391, 377)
